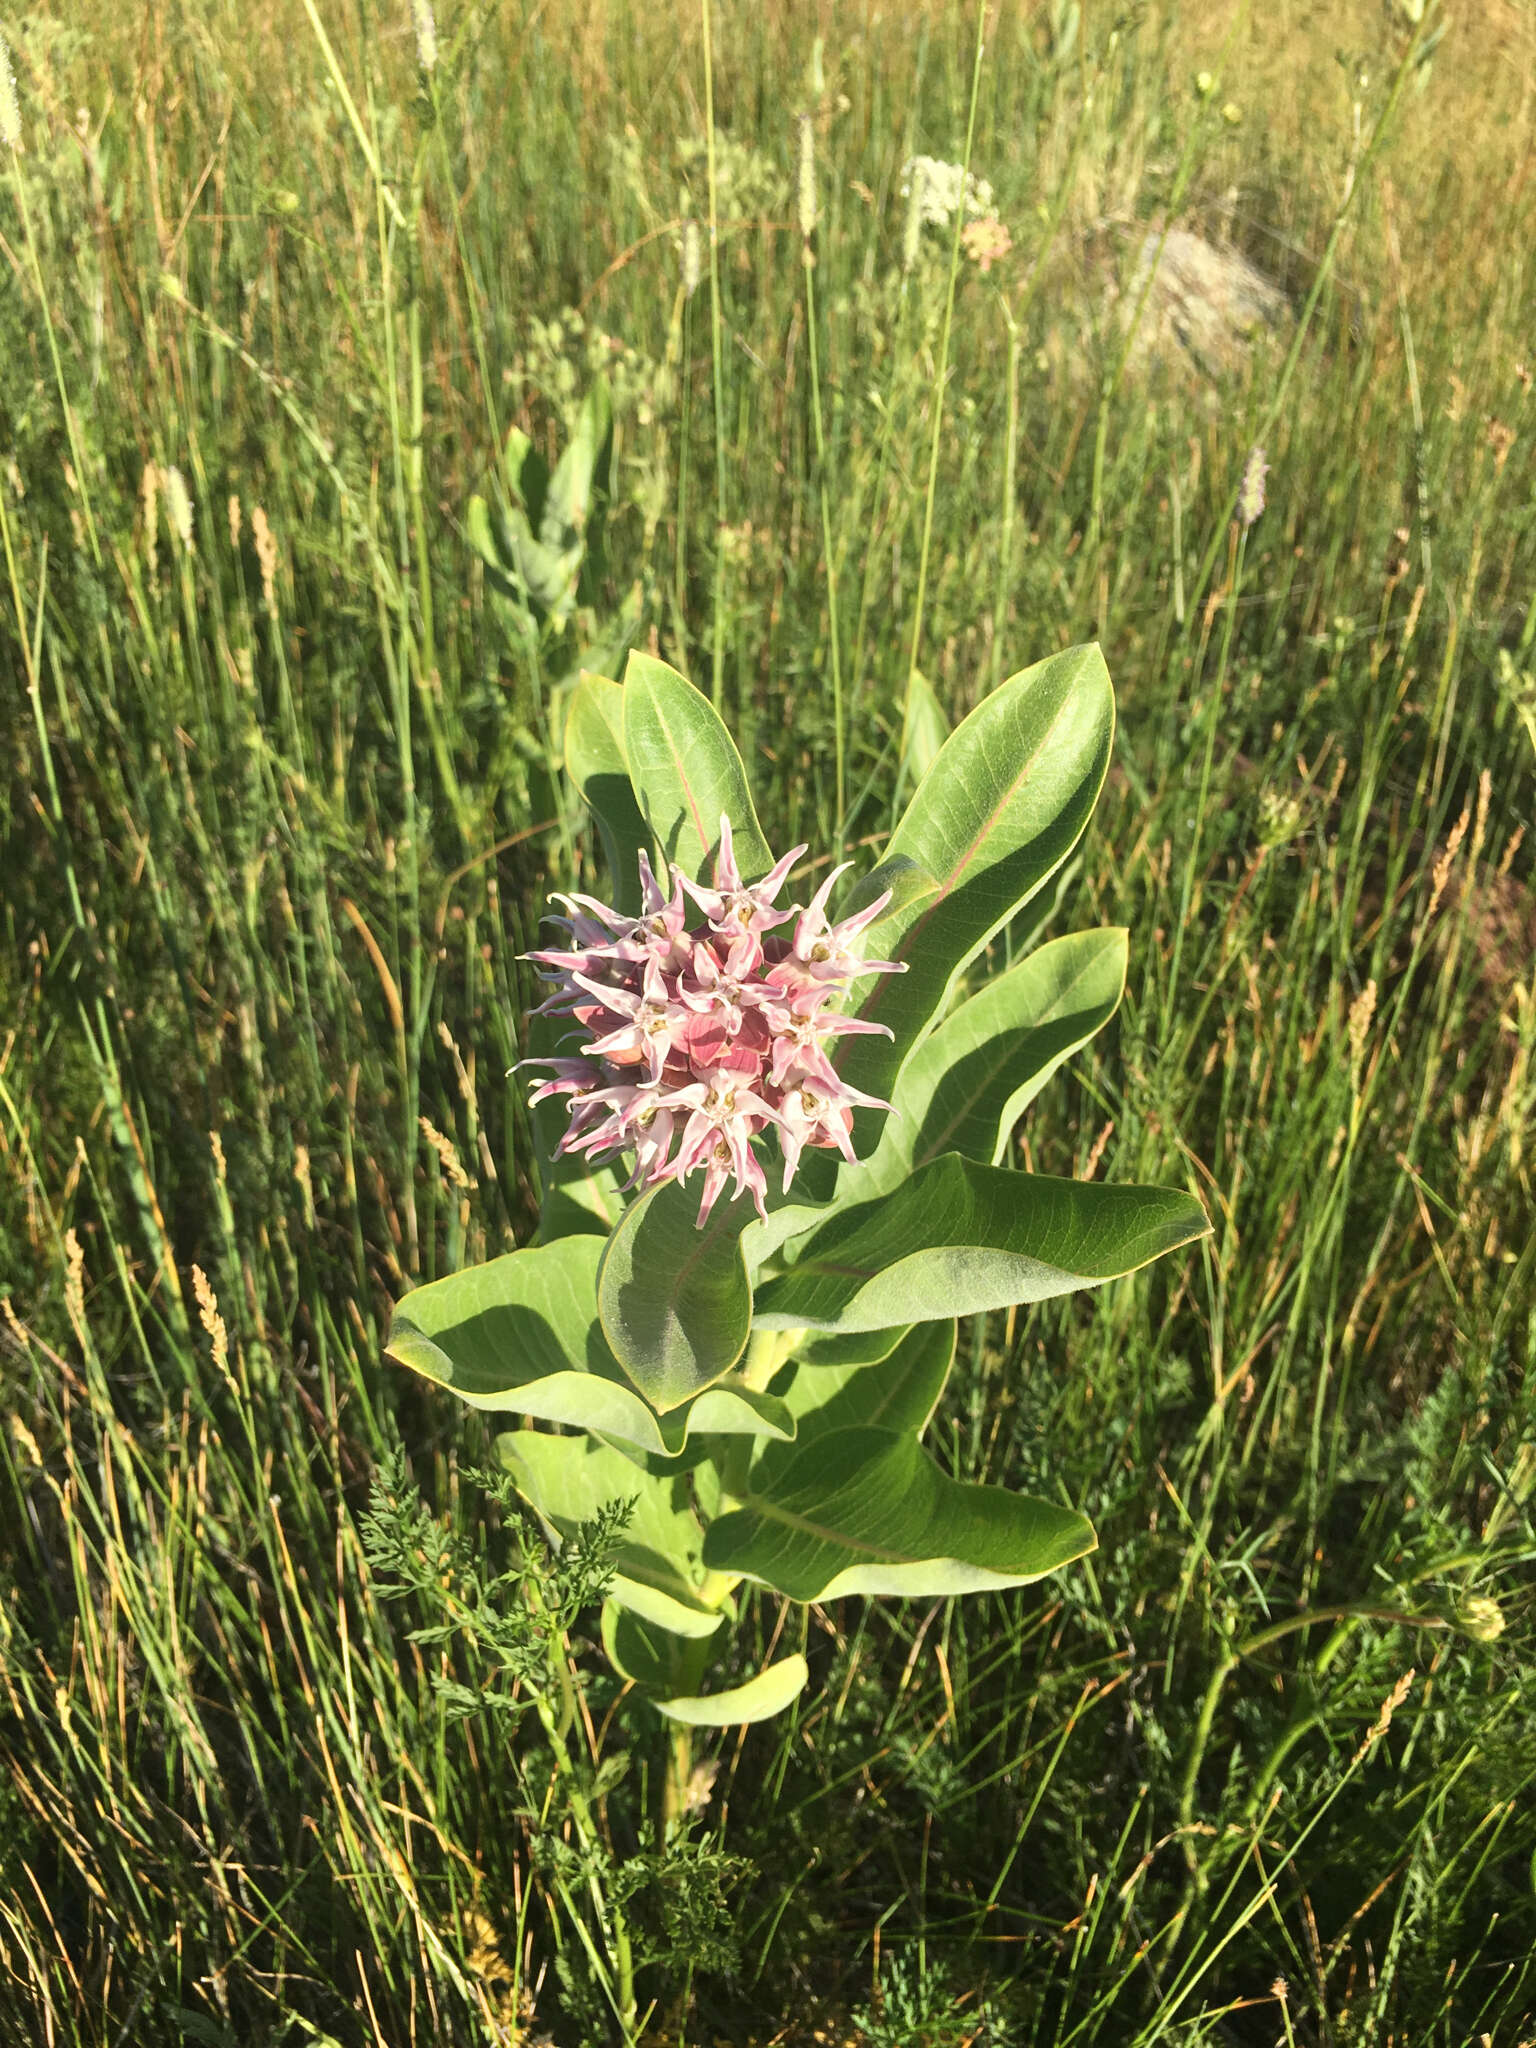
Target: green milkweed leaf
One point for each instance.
(567, 503)
(924, 729)
(675, 1301)
(898, 1394)
(958, 1238)
(686, 772)
(669, 1669)
(968, 1083)
(520, 1334)
(567, 1480)
(759, 1699)
(867, 1511)
(594, 760)
(818, 1348)
(1000, 809)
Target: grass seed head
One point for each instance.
(1361, 1011)
(693, 260)
(178, 504)
(425, 24)
(10, 105)
(1250, 492)
(1389, 1707)
(211, 1320)
(266, 555)
(805, 180)
(149, 492)
(74, 1283)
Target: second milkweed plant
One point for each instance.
(773, 1134)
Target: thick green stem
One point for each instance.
(678, 1778)
(767, 1351)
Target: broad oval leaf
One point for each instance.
(924, 729)
(686, 771)
(762, 1240)
(818, 1348)
(520, 1334)
(594, 760)
(658, 1658)
(669, 1671)
(517, 456)
(899, 1394)
(516, 564)
(1000, 809)
(958, 1238)
(902, 880)
(577, 1199)
(486, 541)
(730, 1408)
(568, 499)
(759, 1699)
(675, 1301)
(866, 1511)
(567, 1480)
(969, 1082)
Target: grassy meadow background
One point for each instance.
(281, 809)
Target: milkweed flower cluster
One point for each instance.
(707, 1021)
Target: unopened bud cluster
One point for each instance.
(707, 1021)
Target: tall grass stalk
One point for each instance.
(930, 494)
(834, 637)
(717, 366)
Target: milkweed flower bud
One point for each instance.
(704, 1023)
(1250, 492)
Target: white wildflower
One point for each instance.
(942, 187)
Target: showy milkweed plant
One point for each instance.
(774, 1128)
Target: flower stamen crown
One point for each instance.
(706, 1020)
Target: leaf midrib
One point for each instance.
(685, 781)
(1051, 1017)
(941, 895)
(804, 1525)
